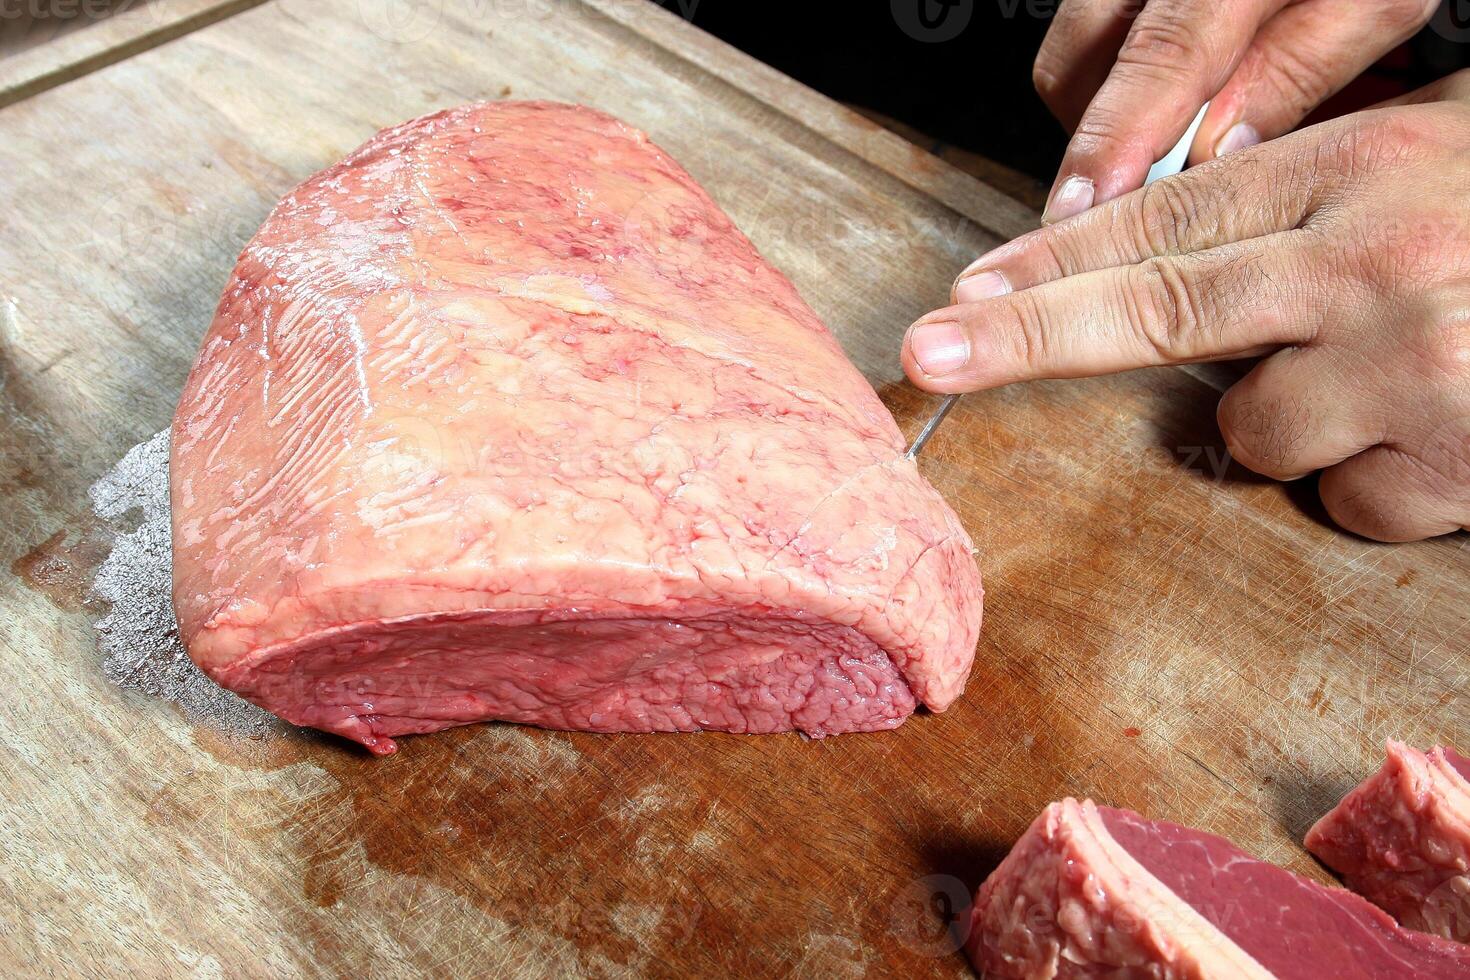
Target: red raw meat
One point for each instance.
(1092, 891)
(1401, 839)
(501, 417)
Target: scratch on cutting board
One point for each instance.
(10, 321)
(711, 835)
(547, 757)
(649, 800)
(833, 956)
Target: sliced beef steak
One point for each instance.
(1401, 839)
(501, 417)
(1096, 892)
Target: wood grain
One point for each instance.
(991, 173)
(1163, 631)
(55, 50)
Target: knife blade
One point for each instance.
(930, 426)
(1168, 165)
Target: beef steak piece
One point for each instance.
(1093, 891)
(1401, 839)
(502, 417)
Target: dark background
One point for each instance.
(973, 90)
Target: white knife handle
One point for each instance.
(1173, 161)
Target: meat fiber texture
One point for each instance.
(1093, 891)
(501, 417)
(1401, 839)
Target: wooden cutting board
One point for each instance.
(1164, 632)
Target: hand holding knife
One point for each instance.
(1171, 163)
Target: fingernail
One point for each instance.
(939, 348)
(984, 284)
(1073, 196)
(1237, 137)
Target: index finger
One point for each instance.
(1238, 300)
(1255, 192)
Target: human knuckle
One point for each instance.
(1044, 253)
(1266, 433)
(1165, 37)
(1445, 342)
(1058, 252)
(1169, 217)
(1046, 78)
(1164, 308)
(1392, 500)
(1281, 177)
(1378, 140)
(1032, 330)
(1104, 132)
(1302, 79)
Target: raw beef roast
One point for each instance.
(1401, 839)
(501, 417)
(1091, 891)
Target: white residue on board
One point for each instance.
(138, 638)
